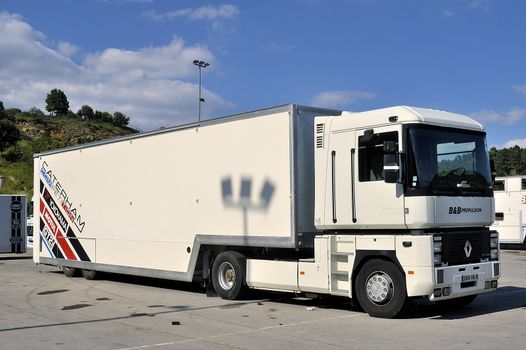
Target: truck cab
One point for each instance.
(412, 187)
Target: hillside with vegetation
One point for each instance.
(24, 133)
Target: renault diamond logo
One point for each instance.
(467, 249)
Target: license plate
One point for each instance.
(469, 278)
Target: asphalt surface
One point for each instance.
(40, 308)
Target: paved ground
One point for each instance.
(42, 309)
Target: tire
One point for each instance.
(90, 274)
(228, 275)
(380, 289)
(70, 271)
(457, 302)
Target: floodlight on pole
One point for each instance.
(200, 65)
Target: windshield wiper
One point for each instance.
(446, 188)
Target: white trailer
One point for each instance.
(510, 210)
(12, 223)
(380, 206)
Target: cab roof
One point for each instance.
(405, 115)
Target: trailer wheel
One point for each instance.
(90, 274)
(70, 271)
(228, 275)
(380, 289)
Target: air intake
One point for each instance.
(320, 128)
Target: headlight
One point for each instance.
(437, 250)
(494, 240)
(494, 254)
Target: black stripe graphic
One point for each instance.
(77, 246)
(66, 228)
(41, 187)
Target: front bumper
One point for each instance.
(456, 281)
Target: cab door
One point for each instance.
(377, 204)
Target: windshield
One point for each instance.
(448, 162)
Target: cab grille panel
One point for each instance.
(465, 247)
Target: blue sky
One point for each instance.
(465, 56)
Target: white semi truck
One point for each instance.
(510, 210)
(381, 206)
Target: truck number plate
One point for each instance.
(469, 278)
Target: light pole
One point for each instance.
(200, 64)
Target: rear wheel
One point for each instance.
(90, 274)
(228, 275)
(70, 271)
(380, 289)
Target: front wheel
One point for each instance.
(380, 289)
(228, 275)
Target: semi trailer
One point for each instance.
(382, 206)
(510, 210)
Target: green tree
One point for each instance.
(71, 114)
(120, 119)
(509, 161)
(2, 110)
(35, 112)
(57, 102)
(11, 113)
(9, 134)
(106, 117)
(86, 112)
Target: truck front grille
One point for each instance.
(465, 247)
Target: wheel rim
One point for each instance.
(227, 275)
(379, 287)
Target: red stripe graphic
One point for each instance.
(55, 230)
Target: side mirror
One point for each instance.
(390, 147)
(392, 163)
(391, 167)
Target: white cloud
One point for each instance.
(209, 12)
(151, 85)
(341, 98)
(508, 118)
(24, 55)
(479, 4)
(448, 13)
(516, 142)
(67, 49)
(171, 61)
(520, 89)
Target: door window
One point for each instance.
(371, 155)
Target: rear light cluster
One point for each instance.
(442, 292)
(490, 284)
